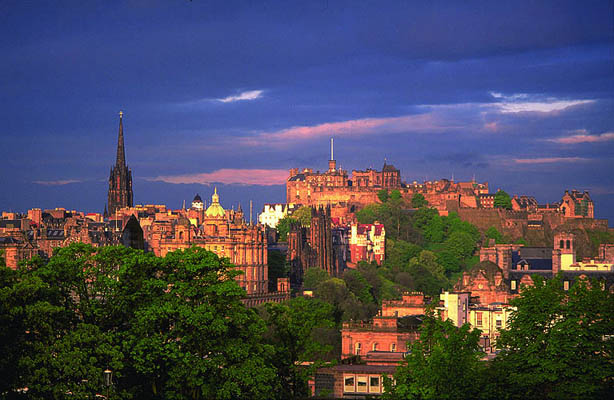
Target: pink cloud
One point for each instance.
(57, 183)
(427, 122)
(548, 160)
(265, 177)
(584, 137)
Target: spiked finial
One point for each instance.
(121, 153)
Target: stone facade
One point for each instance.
(367, 243)
(316, 246)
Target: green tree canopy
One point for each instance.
(559, 343)
(283, 227)
(443, 364)
(418, 201)
(313, 277)
(303, 215)
(503, 200)
(298, 331)
(382, 195)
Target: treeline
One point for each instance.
(558, 345)
(167, 328)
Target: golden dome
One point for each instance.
(215, 209)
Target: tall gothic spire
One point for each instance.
(120, 178)
(121, 152)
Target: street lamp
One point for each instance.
(108, 379)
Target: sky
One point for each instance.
(235, 93)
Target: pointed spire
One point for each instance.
(121, 153)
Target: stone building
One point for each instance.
(221, 231)
(577, 205)
(316, 246)
(120, 178)
(368, 243)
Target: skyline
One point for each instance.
(518, 95)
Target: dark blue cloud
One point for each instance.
(69, 69)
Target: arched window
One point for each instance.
(374, 346)
(357, 348)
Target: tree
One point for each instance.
(359, 286)
(303, 215)
(559, 343)
(427, 274)
(503, 200)
(369, 214)
(418, 201)
(296, 330)
(194, 338)
(283, 227)
(313, 277)
(347, 307)
(443, 364)
(278, 268)
(382, 195)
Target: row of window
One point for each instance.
(374, 347)
(362, 383)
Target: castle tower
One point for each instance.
(120, 178)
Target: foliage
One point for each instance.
(283, 227)
(303, 216)
(427, 273)
(358, 285)
(503, 200)
(597, 238)
(399, 252)
(382, 195)
(346, 305)
(313, 277)
(493, 233)
(194, 338)
(295, 330)
(278, 268)
(172, 327)
(443, 364)
(418, 201)
(368, 214)
(559, 343)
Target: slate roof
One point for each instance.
(297, 177)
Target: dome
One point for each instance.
(215, 209)
(197, 199)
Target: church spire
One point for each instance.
(120, 177)
(121, 153)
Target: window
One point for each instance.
(499, 323)
(361, 384)
(566, 285)
(568, 244)
(513, 285)
(478, 319)
(357, 349)
(393, 347)
(562, 244)
(374, 346)
(374, 384)
(348, 384)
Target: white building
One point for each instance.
(272, 213)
